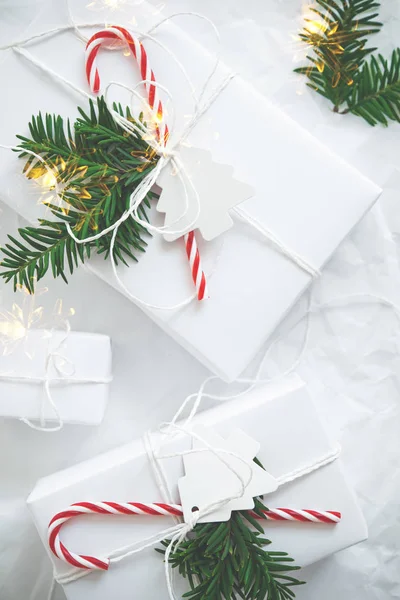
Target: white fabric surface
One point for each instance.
(351, 363)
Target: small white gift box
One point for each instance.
(281, 418)
(305, 195)
(75, 368)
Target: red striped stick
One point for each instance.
(156, 509)
(193, 255)
(121, 35)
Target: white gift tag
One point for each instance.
(216, 193)
(209, 480)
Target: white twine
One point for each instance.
(178, 533)
(55, 361)
(363, 298)
(64, 368)
(166, 152)
(51, 590)
(276, 243)
(180, 530)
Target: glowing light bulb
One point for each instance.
(13, 330)
(314, 26)
(49, 180)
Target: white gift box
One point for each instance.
(308, 197)
(281, 418)
(77, 366)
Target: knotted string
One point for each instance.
(167, 153)
(197, 397)
(55, 361)
(179, 531)
(310, 311)
(64, 367)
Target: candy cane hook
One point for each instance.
(156, 509)
(121, 35)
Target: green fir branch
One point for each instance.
(97, 166)
(230, 560)
(338, 36)
(376, 97)
(27, 260)
(340, 67)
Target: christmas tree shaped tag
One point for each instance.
(209, 479)
(211, 191)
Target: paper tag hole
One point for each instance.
(195, 509)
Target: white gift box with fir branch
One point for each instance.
(308, 197)
(281, 418)
(77, 367)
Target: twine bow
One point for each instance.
(166, 150)
(84, 564)
(158, 136)
(58, 368)
(65, 368)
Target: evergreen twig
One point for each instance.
(376, 97)
(340, 66)
(229, 560)
(97, 166)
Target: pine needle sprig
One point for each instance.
(340, 66)
(230, 560)
(97, 166)
(376, 98)
(338, 38)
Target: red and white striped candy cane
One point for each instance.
(329, 517)
(156, 509)
(121, 35)
(99, 508)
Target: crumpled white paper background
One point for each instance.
(351, 362)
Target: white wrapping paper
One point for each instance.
(282, 418)
(305, 195)
(79, 374)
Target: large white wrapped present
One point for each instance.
(281, 418)
(303, 194)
